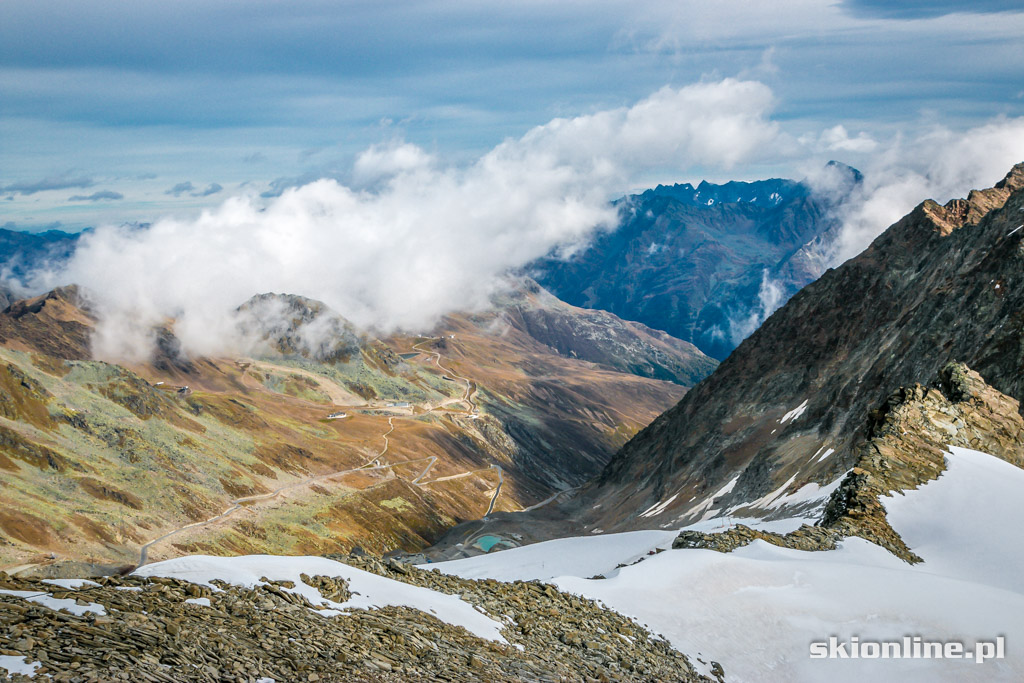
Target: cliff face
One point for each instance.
(795, 403)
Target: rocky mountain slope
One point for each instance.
(706, 264)
(805, 398)
(358, 621)
(601, 337)
(320, 439)
(852, 390)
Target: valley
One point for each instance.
(855, 456)
(380, 444)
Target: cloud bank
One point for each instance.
(935, 163)
(411, 239)
(407, 239)
(63, 181)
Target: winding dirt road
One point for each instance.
(370, 465)
(466, 397)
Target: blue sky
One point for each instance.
(118, 111)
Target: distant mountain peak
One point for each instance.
(762, 193)
(296, 326)
(705, 264)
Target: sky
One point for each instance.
(114, 111)
(397, 161)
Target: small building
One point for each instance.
(337, 416)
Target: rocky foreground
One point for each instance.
(136, 628)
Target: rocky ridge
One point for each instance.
(942, 284)
(601, 337)
(163, 629)
(909, 436)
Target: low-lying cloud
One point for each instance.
(412, 239)
(936, 163)
(407, 238)
(101, 195)
(63, 181)
(191, 190)
(770, 297)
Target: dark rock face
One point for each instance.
(945, 283)
(704, 264)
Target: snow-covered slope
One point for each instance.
(583, 556)
(756, 610)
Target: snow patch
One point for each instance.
(71, 584)
(658, 508)
(578, 556)
(778, 526)
(18, 665)
(795, 413)
(808, 493)
(56, 604)
(204, 602)
(701, 508)
(368, 590)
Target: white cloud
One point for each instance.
(380, 162)
(938, 163)
(423, 240)
(412, 238)
(770, 296)
(837, 139)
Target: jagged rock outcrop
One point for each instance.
(909, 435)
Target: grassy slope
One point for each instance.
(96, 459)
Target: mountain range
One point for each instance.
(705, 264)
(851, 390)
(574, 495)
